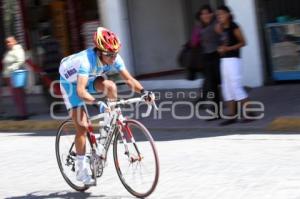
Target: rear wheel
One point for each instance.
(66, 154)
(136, 159)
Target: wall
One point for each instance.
(158, 32)
(245, 15)
(114, 15)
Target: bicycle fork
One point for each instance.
(92, 139)
(125, 131)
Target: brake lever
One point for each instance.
(147, 113)
(149, 109)
(155, 106)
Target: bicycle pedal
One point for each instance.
(90, 185)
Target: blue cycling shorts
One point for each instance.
(69, 92)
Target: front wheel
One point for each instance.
(136, 159)
(66, 154)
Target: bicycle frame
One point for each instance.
(116, 123)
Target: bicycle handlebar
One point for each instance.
(113, 104)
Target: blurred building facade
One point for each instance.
(70, 22)
(152, 32)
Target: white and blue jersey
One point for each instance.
(85, 63)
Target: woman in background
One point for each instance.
(210, 39)
(232, 40)
(14, 59)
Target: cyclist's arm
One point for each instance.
(82, 82)
(131, 81)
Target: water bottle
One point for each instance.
(102, 107)
(104, 125)
(101, 142)
(100, 150)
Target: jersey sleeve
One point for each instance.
(119, 64)
(83, 71)
(84, 68)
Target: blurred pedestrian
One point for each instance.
(210, 38)
(232, 40)
(13, 60)
(196, 53)
(190, 55)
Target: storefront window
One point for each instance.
(55, 28)
(13, 20)
(284, 40)
(8, 17)
(63, 19)
(281, 23)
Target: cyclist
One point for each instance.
(83, 73)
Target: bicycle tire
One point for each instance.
(59, 161)
(148, 138)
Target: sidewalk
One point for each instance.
(281, 102)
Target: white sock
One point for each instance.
(80, 161)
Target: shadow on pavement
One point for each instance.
(178, 134)
(64, 194)
(194, 134)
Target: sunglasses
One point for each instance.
(111, 55)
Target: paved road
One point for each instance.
(193, 165)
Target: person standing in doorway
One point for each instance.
(13, 60)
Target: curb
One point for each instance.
(281, 124)
(285, 124)
(53, 125)
(29, 125)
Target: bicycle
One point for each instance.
(133, 146)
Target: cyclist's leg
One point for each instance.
(75, 105)
(108, 87)
(79, 118)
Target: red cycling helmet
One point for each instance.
(106, 40)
